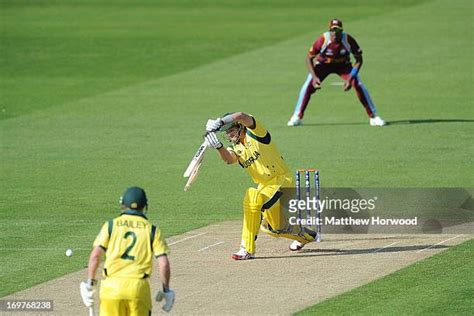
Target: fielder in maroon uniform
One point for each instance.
(330, 54)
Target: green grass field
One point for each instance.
(439, 285)
(100, 95)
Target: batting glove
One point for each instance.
(169, 299)
(214, 125)
(87, 292)
(213, 141)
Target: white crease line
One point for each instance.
(441, 242)
(337, 83)
(213, 245)
(187, 238)
(393, 243)
(81, 249)
(43, 249)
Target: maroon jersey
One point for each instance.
(335, 53)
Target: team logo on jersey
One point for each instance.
(329, 52)
(343, 51)
(247, 163)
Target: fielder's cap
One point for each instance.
(134, 198)
(335, 24)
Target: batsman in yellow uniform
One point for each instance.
(130, 242)
(254, 150)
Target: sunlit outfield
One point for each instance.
(440, 285)
(100, 95)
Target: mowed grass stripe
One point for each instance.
(54, 53)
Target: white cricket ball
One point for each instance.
(69, 252)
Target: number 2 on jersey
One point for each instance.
(126, 255)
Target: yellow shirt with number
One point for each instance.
(259, 155)
(130, 241)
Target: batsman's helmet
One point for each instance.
(230, 125)
(336, 25)
(134, 198)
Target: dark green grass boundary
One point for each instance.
(440, 285)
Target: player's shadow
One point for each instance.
(398, 122)
(428, 121)
(341, 252)
(334, 124)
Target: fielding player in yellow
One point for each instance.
(129, 241)
(253, 148)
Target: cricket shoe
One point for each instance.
(377, 121)
(296, 245)
(242, 254)
(295, 121)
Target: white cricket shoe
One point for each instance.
(295, 121)
(242, 254)
(296, 245)
(377, 121)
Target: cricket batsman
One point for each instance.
(254, 150)
(130, 242)
(330, 54)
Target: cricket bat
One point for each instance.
(193, 168)
(192, 176)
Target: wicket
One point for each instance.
(307, 177)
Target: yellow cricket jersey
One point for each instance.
(130, 241)
(259, 155)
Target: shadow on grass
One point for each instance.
(428, 121)
(333, 124)
(399, 122)
(338, 252)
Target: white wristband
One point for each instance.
(227, 119)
